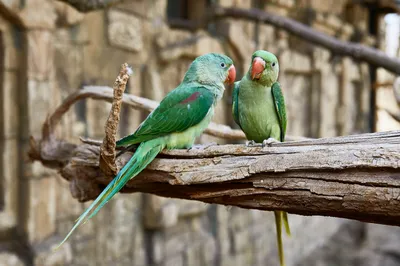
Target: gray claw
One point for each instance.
(250, 143)
(202, 146)
(268, 142)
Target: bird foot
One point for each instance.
(268, 142)
(250, 143)
(202, 146)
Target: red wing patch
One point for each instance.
(191, 98)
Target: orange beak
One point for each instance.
(231, 75)
(257, 68)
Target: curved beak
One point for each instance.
(231, 75)
(257, 68)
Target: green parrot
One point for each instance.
(182, 115)
(259, 109)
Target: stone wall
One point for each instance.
(59, 50)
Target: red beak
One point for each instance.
(257, 68)
(231, 75)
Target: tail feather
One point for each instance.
(286, 223)
(131, 172)
(146, 153)
(279, 216)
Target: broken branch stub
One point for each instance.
(107, 148)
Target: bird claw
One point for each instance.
(250, 143)
(202, 146)
(268, 142)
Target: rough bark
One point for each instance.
(355, 177)
(107, 148)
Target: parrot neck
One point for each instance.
(215, 89)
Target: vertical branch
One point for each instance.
(107, 148)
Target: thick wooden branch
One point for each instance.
(354, 50)
(355, 177)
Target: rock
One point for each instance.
(380, 246)
(124, 31)
(160, 212)
(39, 14)
(67, 15)
(46, 257)
(9, 259)
(9, 186)
(41, 212)
(40, 55)
(10, 105)
(38, 106)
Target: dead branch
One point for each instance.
(355, 177)
(91, 5)
(106, 93)
(107, 148)
(300, 30)
(138, 103)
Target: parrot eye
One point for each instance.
(222, 64)
(273, 64)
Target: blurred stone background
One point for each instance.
(48, 50)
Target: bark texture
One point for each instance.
(355, 177)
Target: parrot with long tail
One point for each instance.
(259, 109)
(181, 117)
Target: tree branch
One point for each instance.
(107, 148)
(106, 93)
(355, 177)
(302, 31)
(91, 5)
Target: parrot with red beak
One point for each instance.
(259, 109)
(181, 117)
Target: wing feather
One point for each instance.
(181, 109)
(280, 108)
(235, 103)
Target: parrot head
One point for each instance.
(211, 69)
(264, 67)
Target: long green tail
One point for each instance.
(279, 216)
(144, 155)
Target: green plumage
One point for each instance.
(259, 109)
(181, 117)
(159, 124)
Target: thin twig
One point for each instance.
(107, 148)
